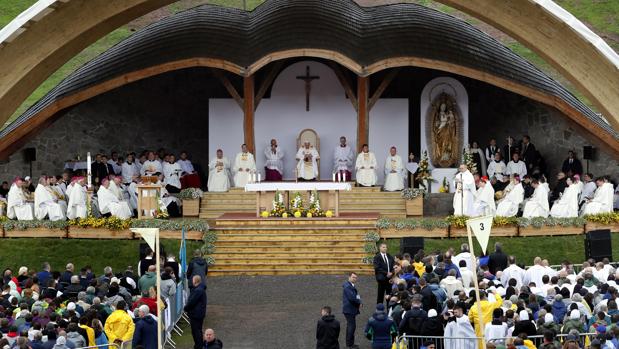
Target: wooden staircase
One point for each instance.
(214, 205)
(253, 246)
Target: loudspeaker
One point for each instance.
(30, 154)
(588, 152)
(598, 245)
(411, 245)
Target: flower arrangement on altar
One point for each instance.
(297, 206)
(467, 159)
(444, 187)
(424, 177)
(315, 209)
(279, 207)
(161, 212)
(190, 194)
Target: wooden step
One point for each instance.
(289, 261)
(290, 237)
(255, 272)
(298, 254)
(354, 243)
(296, 248)
(309, 222)
(300, 265)
(290, 231)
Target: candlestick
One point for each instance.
(88, 170)
(344, 176)
(333, 176)
(259, 177)
(339, 177)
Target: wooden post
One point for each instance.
(363, 119)
(248, 111)
(158, 295)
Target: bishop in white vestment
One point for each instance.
(77, 199)
(343, 160)
(45, 202)
(484, 204)
(274, 165)
(219, 173)
(394, 171)
(537, 205)
(366, 167)
(244, 166)
(508, 206)
(307, 165)
(465, 192)
(602, 201)
(567, 205)
(17, 205)
(109, 202)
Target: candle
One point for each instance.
(89, 170)
(334, 176)
(258, 177)
(344, 176)
(339, 176)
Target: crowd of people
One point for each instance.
(432, 295)
(59, 309)
(115, 188)
(520, 187)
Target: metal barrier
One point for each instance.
(123, 345)
(416, 342)
(173, 313)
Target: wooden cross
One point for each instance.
(308, 85)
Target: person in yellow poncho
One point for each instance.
(119, 325)
(487, 308)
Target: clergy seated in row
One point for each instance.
(18, 205)
(516, 166)
(172, 174)
(366, 167)
(274, 165)
(219, 173)
(130, 169)
(151, 165)
(567, 205)
(76, 191)
(394, 171)
(512, 197)
(109, 201)
(46, 203)
(602, 201)
(189, 176)
(537, 205)
(588, 188)
(497, 173)
(168, 202)
(307, 162)
(464, 196)
(244, 166)
(484, 204)
(343, 157)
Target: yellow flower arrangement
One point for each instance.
(329, 214)
(309, 215)
(285, 215)
(265, 214)
(297, 214)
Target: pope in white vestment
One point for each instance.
(567, 205)
(602, 201)
(77, 199)
(343, 159)
(537, 205)
(366, 167)
(465, 192)
(244, 166)
(109, 202)
(508, 206)
(17, 205)
(307, 162)
(394, 172)
(219, 173)
(484, 204)
(45, 202)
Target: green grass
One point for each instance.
(555, 249)
(9, 9)
(97, 253)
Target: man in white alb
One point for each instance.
(77, 199)
(588, 189)
(172, 175)
(307, 162)
(343, 160)
(366, 167)
(508, 206)
(219, 173)
(394, 171)
(484, 204)
(244, 166)
(274, 165)
(109, 202)
(45, 203)
(189, 176)
(130, 171)
(516, 167)
(151, 165)
(602, 201)
(497, 168)
(537, 205)
(465, 192)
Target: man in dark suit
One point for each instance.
(351, 302)
(383, 269)
(497, 260)
(571, 165)
(196, 310)
(529, 154)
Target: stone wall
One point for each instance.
(168, 111)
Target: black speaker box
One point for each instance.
(30, 154)
(588, 152)
(598, 245)
(411, 245)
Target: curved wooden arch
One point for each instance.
(52, 40)
(18, 137)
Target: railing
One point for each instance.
(407, 341)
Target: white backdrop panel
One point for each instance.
(225, 128)
(388, 127)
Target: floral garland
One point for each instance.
(411, 193)
(190, 194)
(424, 177)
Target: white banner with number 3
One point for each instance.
(481, 228)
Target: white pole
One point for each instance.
(159, 312)
(480, 318)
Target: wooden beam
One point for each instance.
(268, 80)
(229, 87)
(248, 112)
(363, 120)
(382, 87)
(346, 84)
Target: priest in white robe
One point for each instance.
(514, 195)
(343, 157)
(18, 206)
(366, 167)
(307, 162)
(168, 202)
(484, 204)
(497, 168)
(588, 189)
(567, 205)
(46, 203)
(465, 192)
(460, 328)
(77, 199)
(172, 175)
(602, 201)
(244, 166)
(516, 167)
(274, 165)
(130, 170)
(219, 173)
(109, 202)
(151, 166)
(537, 205)
(394, 171)
(189, 176)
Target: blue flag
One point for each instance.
(183, 255)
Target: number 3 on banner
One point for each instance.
(481, 226)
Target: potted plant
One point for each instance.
(413, 198)
(191, 201)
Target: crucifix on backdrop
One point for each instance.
(308, 85)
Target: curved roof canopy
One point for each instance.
(364, 39)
